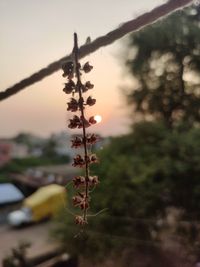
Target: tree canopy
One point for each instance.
(165, 64)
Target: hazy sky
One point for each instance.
(34, 33)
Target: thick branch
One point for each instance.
(127, 27)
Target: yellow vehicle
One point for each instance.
(42, 204)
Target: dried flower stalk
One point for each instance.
(74, 86)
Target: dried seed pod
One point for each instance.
(77, 142)
(74, 123)
(77, 200)
(73, 105)
(93, 158)
(68, 69)
(92, 120)
(80, 220)
(89, 85)
(90, 101)
(87, 67)
(85, 122)
(79, 181)
(93, 180)
(69, 87)
(92, 139)
(78, 161)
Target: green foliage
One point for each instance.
(165, 66)
(141, 174)
(17, 256)
(49, 148)
(4, 178)
(155, 167)
(23, 138)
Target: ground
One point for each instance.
(37, 235)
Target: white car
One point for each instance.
(19, 217)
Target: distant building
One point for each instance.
(10, 150)
(19, 151)
(36, 152)
(34, 143)
(63, 144)
(5, 153)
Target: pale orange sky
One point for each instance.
(34, 33)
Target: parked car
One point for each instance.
(10, 194)
(42, 204)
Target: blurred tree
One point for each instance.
(165, 64)
(141, 175)
(18, 256)
(22, 138)
(49, 149)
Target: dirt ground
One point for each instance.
(37, 235)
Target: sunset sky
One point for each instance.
(35, 33)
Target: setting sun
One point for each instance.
(98, 118)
